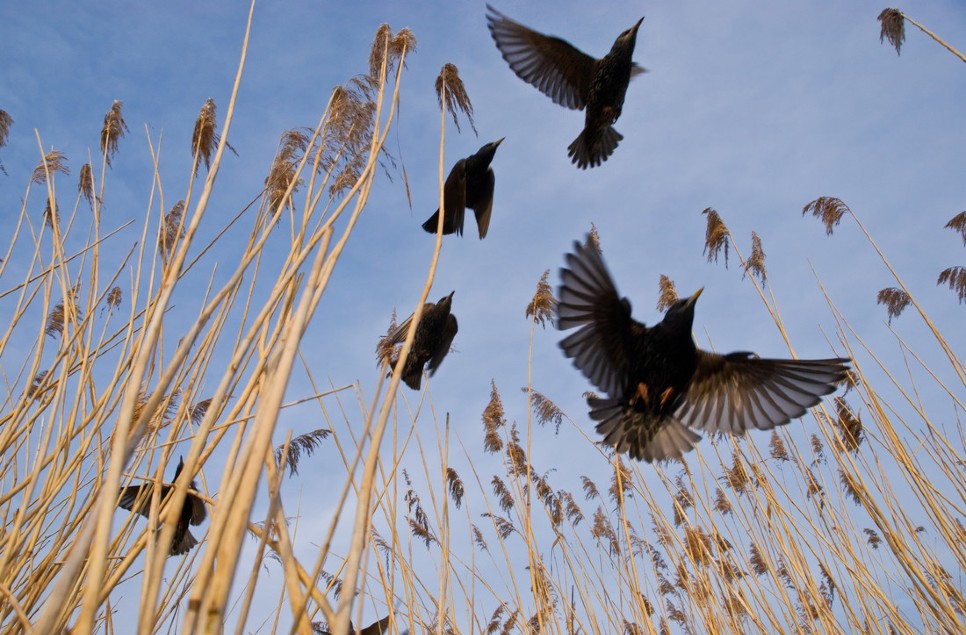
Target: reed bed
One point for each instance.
(848, 521)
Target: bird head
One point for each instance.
(628, 37)
(680, 316)
(446, 302)
(489, 150)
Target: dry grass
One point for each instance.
(849, 521)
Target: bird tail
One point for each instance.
(453, 223)
(433, 222)
(593, 147)
(640, 434)
(414, 378)
(188, 541)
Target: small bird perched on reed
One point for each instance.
(434, 335)
(659, 384)
(572, 79)
(137, 498)
(469, 185)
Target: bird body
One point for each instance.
(434, 335)
(469, 185)
(137, 498)
(659, 384)
(573, 79)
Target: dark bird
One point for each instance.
(572, 79)
(434, 336)
(469, 185)
(137, 498)
(659, 384)
(376, 628)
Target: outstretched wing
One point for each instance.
(736, 392)
(587, 298)
(132, 498)
(557, 69)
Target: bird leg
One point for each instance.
(642, 394)
(666, 397)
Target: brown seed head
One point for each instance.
(543, 304)
(114, 128)
(203, 139)
(5, 122)
(453, 96)
(829, 209)
(716, 236)
(955, 277)
(53, 161)
(756, 261)
(493, 419)
(893, 28)
(668, 294)
(958, 223)
(85, 186)
(895, 301)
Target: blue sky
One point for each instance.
(753, 109)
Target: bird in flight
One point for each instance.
(659, 384)
(469, 185)
(137, 498)
(434, 336)
(572, 79)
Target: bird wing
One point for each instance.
(588, 298)
(484, 206)
(132, 498)
(445, 342)
(735, 392)
(198, 511)
(454, 197)
(378, 627)
(398, 334)
(557, 69)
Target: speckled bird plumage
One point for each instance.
(658, 384)
(470, 185)
(573, 79)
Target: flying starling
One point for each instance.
(659, 384)
(572, 79)
(469, 185)
(137, 498)
(434, 336)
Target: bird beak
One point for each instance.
(497, 143)
(694, 298)
(450, 296)
(638, 25)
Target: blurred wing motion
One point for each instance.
(589, 299)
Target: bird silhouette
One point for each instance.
(376, 628)
(137, 498)
(434, 336)
(572, 79)
(469, 185)
(659, 384)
